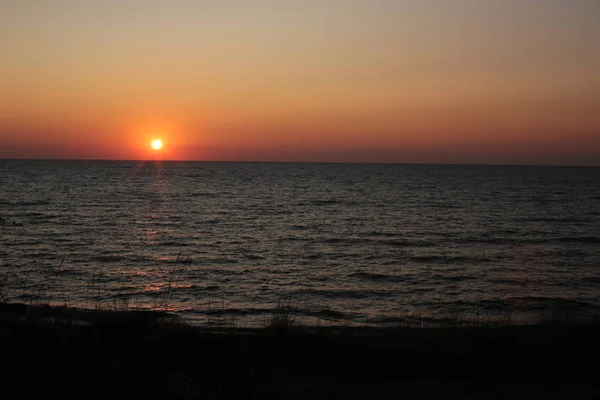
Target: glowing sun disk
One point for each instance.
(157, 144)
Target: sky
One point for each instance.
(408, 81)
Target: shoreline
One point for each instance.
(153, 355)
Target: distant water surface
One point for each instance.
(352, 243)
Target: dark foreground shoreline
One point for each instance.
(53, 352)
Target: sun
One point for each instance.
(157, 144)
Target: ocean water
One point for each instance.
(348, 243)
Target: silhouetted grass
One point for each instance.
(112, 350)
(285, 316)
(133, 354)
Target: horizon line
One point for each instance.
(301, 162)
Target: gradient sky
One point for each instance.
(436, 81)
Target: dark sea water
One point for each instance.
(351, 243)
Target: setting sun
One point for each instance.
(157, 144)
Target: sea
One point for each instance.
(338, 244)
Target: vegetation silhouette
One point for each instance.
(149, 354)
(115, 350)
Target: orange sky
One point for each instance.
(433, 81)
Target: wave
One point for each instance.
(369, 276)
(25, 203)
(405, 243)
(449, 259)
(524, 304)
(211, 221)
(173, 244)
(444, 206)
(506, 282)
(36, 214)
(554, 219)
(536, 240)
(580, 239)
(360, 241)
(319, 202)
(106, 258)
(383, 234)
(591, 279)
(203, 194)
(343, 294)
(452, 278)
